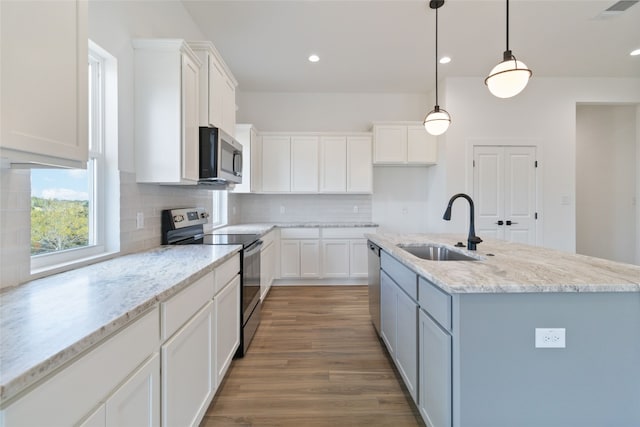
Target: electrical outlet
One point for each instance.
(355, 209)
(282, 209)
(139, 221)
(550, 338)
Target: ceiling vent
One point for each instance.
(616, 9)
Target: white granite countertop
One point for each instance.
(47, 322)
(512, 268)
(264, 228)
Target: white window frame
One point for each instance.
(218, 217)
(96, 167)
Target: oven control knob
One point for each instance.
(204, 215)
(178, 218)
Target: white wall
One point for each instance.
(606, 182)
(307, 112)
(544, 113)
(112, 25)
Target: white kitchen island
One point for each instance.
(462, 334)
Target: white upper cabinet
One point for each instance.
(304, 164)
(217, 89)
(333, 164)
(248, 136)
(166, 112)
(44, 73)
(403, 143)
(359, 165)
(276, 164)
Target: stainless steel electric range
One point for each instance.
(185, 226)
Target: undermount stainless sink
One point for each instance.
(435, 252)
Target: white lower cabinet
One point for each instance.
(187, 370)
(388, 312)
(300, 253)
(227, 326)
(69, 396)
(335, 258)
(358, 262)
(137, 401)
(435, 373)
(267, 267)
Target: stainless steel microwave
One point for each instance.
(220, 157)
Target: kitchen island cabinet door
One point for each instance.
(435, 373)
(388, 312)
(406, 354)
(44, 101)
(187, 376)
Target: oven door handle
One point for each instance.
(253, 249)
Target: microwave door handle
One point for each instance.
(237, 155)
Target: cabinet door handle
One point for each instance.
(511, 222)
(501, 222)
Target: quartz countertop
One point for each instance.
(47, 322)
(264, 228)
(512, 268)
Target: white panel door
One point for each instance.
(304, 164)
(137, 401)
(309, 258)
(190, 116)
(227, 327)
(187, 377)
(359, 165)
(504, 188)
(216, 92)
(276, 164)
(289, 258)
(333, 164)
(335, 258)
(390, 144)
(422, 147)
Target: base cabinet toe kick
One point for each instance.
(460, 353)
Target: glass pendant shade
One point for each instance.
(437, 121)
(508, 78)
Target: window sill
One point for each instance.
(49, 270)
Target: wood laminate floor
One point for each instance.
(314, 361)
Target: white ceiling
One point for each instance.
(388, 46)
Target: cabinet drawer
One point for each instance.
(403, 276)
(225, 272)
(180, 308)
(346, 233)
(435, 302)
(68, 396)
(300, 233)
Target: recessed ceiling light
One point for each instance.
(635, 52)
(314, 58)
(445, 60)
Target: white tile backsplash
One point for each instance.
(252, 208)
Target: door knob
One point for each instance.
(501, 222)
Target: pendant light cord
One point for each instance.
(507, 25)
(436, 62)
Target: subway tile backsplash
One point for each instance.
(252, 208)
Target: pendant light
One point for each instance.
(509, 77)
(438, 120)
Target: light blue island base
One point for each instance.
(501, 380)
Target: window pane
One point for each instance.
(59, 210)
